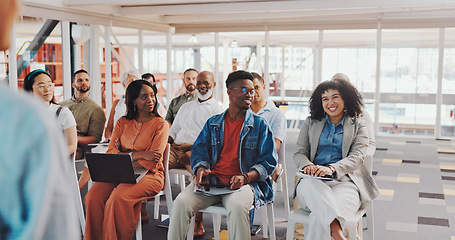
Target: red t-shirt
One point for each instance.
(228, 164)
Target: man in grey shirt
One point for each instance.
(189, 79)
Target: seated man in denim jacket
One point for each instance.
(237, 149)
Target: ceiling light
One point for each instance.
(234, 44)
(192, 39)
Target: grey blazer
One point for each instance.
(354, 150)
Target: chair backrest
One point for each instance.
(167, 180)
(166, 161)
(77, 196)
(282, 152)
(166, 164)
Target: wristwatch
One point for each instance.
(333, 169)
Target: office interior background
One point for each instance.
(399, 54)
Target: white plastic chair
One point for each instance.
(302, 216)
(166, 191)
(282, 184)
(180, 174)
(218, 209)
(78, 198)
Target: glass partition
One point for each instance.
(409, 66)
(448, 86)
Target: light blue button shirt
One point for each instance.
(36, 178)
(276, 118)
(330, 143)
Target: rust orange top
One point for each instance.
(135, 136)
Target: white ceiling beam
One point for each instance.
(123, 2)
(274, 6)
(85, 17)
(316, 25)
(273, 16)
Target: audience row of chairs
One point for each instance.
(296, 216)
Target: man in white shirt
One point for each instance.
(187, 125)
(190, 119)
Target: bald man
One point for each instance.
(190, 119)
(366, 117)
(187, 125)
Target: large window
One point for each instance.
(352, 52)
(448, 86)
(409, 64)
(291, 68)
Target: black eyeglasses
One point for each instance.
(246, 91)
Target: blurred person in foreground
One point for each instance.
(37, 197)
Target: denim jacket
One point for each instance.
(256, 151)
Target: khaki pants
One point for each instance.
(237, 205)
(176, 151)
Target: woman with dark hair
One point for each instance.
(149, 77)
(39, 83)
(333, 141)
(113, 209)
(118, 106)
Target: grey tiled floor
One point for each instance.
(417, 186)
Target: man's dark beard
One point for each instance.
(80, 89)
(188, 87)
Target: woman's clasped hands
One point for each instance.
(317, 170)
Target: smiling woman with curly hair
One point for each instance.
(351, 97)
(333, 141)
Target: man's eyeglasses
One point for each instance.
(41, 87)
(246, 91)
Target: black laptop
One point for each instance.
(113, 168)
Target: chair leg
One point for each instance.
(216, 225)
(361, 228)
(156, 209)
(290, 230)
(270, 212)
(78, 198)
(139, 228)
(352, 230)
(265, 222)
(168, 194)
(190, 234)
(284, 186)
(277, 186)
(176, 179)
(182, 182)
(370, 221)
